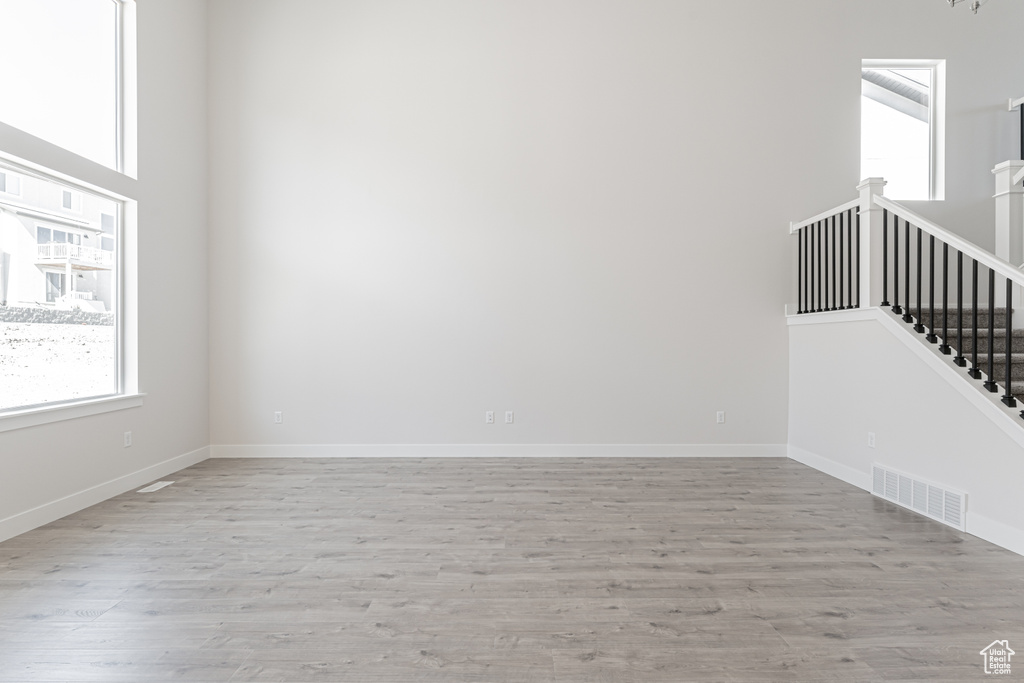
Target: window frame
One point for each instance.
(936, 116)
(30, 155)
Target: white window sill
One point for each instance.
(40, 415)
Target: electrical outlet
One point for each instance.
(720, 417)
(278, 417)
(127, 439)
(509, 417)
(871, 439)
(489, 417)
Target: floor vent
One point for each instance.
(944, 504)
(155, 487)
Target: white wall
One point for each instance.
(48, 463)
(577, 210)
(851, 378)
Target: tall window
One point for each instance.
(62, 284)
(901, 126)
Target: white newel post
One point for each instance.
(1009, 212)
(1009, 243)
(870, 242)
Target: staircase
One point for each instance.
(872, 250)
(966, 348)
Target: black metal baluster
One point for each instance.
(819, 267)
(841, 306)
(885, 257)
(931, 336)
(1008, 398)
(918, 327)
(896, 265)
(825, 266)
(990, 383)
(833, 263)
(907, 318)
(800, 271)
(944, 346)
(959, 359)
(810, 269)
(858, 259)
(974, 371)
(807, 270)
(849, 254)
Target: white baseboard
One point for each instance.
(530, 450)
(861, 480)
(987, 529)
(48, 512)
(1000, 534)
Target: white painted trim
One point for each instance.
(530, 450)
(1004, 268)
(1003, 535)
(1018, 177)
(861, 480)
(988, 403)
(852, 204)
(48, 512)
(850, 315)
(1015, 103)
(40, 415)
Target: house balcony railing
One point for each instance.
(76, 253)
(82, 296)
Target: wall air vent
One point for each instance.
(939, 502)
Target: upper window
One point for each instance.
(901, 126)
(71, 200)
(66, 87)
(10, 183)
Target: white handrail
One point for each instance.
(1004, 268)
(854, 204)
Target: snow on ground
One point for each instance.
(42, 362)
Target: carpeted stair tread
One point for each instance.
(999, 367)
(926, 316)
(999, 339)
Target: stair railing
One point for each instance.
(915, 256)
(828, 276)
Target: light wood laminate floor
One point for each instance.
(502, 570)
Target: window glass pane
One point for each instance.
(895, 130)
(58, 296)
(60, 73)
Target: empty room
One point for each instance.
(500, 341)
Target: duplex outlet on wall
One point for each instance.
(871, 439)
(720, 417)
(509, 417)
(127, 439)
(489, 417)
(278, 417)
